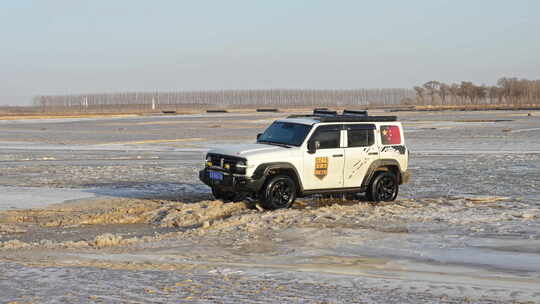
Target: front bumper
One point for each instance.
(230, 182)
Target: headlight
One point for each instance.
(208, 161)
(241, 167)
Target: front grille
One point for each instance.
(221, 162)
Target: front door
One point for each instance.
(324, 168)
(360, 152)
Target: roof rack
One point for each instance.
(354, 112)
(346, 116)
(325, 112)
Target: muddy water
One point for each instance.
(466, 229)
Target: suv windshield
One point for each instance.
(285, 133)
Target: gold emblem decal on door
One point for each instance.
(321, 167)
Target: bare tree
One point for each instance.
(444, 91)
(432, 87)
(420, 94)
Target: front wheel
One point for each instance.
(279, 192)
(383, 188)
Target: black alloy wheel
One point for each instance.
(384, 187)
(279, 193)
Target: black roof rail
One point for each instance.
(351, 118)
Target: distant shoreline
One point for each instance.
(17, 113)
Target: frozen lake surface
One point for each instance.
(466, 227)
(30, 197)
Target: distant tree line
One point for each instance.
(223, 98)
(508, 91)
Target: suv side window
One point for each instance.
(360, 135)
(328, 136)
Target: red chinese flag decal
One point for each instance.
(390, 135)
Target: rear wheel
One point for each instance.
(279, 192)
(383, 188)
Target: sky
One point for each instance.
(77, 46)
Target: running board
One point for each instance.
(333, 190)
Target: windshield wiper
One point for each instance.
(274, 143)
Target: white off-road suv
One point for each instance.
(322, 153)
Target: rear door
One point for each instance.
(360, 152)
(324, 168)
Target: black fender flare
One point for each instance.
(263, 170)
(376, 164)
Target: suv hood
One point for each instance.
(248, 150)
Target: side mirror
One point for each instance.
(259, 136)
(313, 146)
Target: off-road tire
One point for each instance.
(279, 192)
(383, 188)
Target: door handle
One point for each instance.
(337, 155)
(373, 153)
